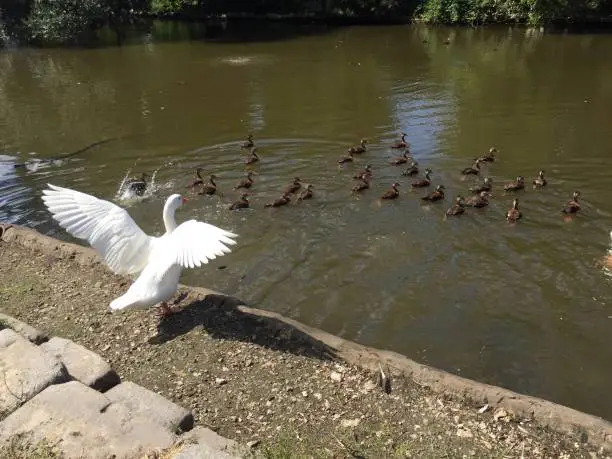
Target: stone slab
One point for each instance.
(203, 443)
(25, 370)
(82, 422)
(28, 332)
(82, 364)
(152, 406)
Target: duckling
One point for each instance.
(253, 158)
(360, 149)
(436, 195)
(138, 185)
(413, 169)
(401, 160)
(348, 158)
(423, 182)
(248, 143)
(479, 200)
(245, 182)
(198, 180)
(242, 203)
(393, 193)
(484, 186)
(488, 157)
(210, 187)
(458, 208)
(402, 143)
(296, 185)
(518, 184)
(282, 201)
(514, 213)
(366, 173)
(540, 181)
(474, 170)
(305, 193)
(572, 206)
(364, 185)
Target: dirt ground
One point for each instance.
(263, 387)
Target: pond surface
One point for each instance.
(526, 306)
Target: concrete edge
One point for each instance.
(586, 427)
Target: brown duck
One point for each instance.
(436, 195)
(423, 182)
(393, 193)
(253, 157)
(402, 143)
(305, 193)
(366, 173)
(210, 187)
(401, 160)
(282, 201)
(484, 186)
(458, 208)
(513, 213)
(246, 182)
(242, 203)
(540, 181)
(248, 143)
(474, 170)
(360, 149)
(413, 169)
(480, 200)
(363, 185)
(488, 157)
(198, 180)
(296, 185)
(348, 158)
(518, 184)
(572, 206)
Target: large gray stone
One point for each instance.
(82, 364)
(203, 443)
(84, 423)
(25, 370)
(153, 406)
(25, 330)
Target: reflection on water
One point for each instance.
(520, 305)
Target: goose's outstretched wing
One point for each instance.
(108, 228)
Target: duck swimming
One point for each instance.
(513, 213)
(248, 143)
(282, 201)
(489, 157)
(484, 186)
(393, 193)
(474, 170)
(436, 195)
(413, 169)
(401, 160)
(458, 208)
(364, 185)
(296, 185)
(480, 200)
(402, 143)
(245, 182)
(138, 185)
(198, 180)
(305, 193)
(210, 187)
(366, 173)
(423, 182)
(253, 158)
(518, 184)
(539, 181)
(348, 158)
(572, 206)
(360, 149)
(242, 203)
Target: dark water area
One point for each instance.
(525, 306)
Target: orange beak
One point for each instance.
(183, 199)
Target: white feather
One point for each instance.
(127, 249)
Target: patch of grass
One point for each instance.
(19, 448)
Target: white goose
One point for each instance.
(126, 249)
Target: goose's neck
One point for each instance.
(169, 221)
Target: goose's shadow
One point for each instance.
(221, 318)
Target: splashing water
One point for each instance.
(125, 193)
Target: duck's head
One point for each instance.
(459, 199)
(488, 180)
(515, 203)
(520, 179)
(244, 196)
(368, 167)
(213, 177)
(541, 174)
(250, 137)
(250, 174)
(309, 186)
(477, 163)
(428, 172)
(395, 185)
(440, 188)
(576, 195)
(492, 151)
(414, 163)
(485, 194)
(364, 141)
(296, 180)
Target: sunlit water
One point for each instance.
(526, 306)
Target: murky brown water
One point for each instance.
(524, 306)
